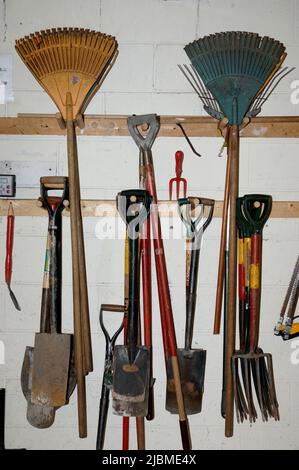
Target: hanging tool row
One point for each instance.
(233, 73)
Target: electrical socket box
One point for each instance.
(7, 185)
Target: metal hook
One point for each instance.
(188, 140)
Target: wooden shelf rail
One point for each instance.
(104, 125)
(107, 208)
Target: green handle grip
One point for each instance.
(257, 216)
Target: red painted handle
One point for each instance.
(179, 157)
(9, 247)
(255, 286)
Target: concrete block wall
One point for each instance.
(145, 79)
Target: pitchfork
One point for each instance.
(179, 157)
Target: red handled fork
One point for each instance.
(179, 157)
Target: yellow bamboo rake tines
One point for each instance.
(68, 59)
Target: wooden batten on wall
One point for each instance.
(109, 125)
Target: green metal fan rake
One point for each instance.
(233, 73)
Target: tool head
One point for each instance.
(50, 369)
(41, 417)
(68, 60)
(151, 122)
(257, 369)
(192, 365)
(234, 66)
(178, 182)
(131, 381)
(13, 298)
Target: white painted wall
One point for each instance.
(145, 78)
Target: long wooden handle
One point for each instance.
(85, 321)
(221, 263)
(232, 279)
(74, 203)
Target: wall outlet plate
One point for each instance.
(7, 185)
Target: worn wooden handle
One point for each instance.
(112, 308)
(221, 263)
(185, 434)
(85, 321)
(53, 182)
(184, 425)
(78, 333)
(232, 280)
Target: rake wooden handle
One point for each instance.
(78, 333)
(232, 278)
(85, 321)
(221, 263)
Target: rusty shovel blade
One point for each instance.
(192, 364)
(131, 381)
(41, 417)
(50, 372)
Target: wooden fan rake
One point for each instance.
(71, 64)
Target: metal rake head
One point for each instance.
(211, 105)
(235, 66)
